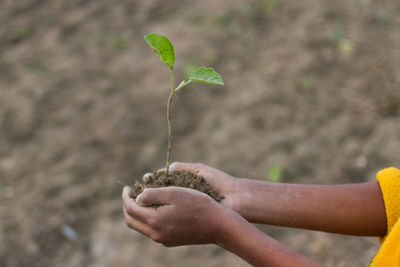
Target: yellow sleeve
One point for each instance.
(389, 253)
(389, 181)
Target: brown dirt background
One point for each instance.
(82, 106)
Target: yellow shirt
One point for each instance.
(389, 253)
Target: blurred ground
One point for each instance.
(312, 95)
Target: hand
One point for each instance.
(223, 183)
(185, 217)
(335, 208)
(190, 217)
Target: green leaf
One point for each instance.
(207, 75)
(189, 70)
(162, 47)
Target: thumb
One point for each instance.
(154, 196)
(181, 166)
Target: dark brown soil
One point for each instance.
(175, 178)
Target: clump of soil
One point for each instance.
(175, 178)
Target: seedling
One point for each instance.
(275, 174)
(165, 51)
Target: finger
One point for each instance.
(126, 199)
(133, 209)
(136, 224)
(197, 168)
(165, 196)
(125, 194)
(180, 166)
(153, 196)
(177, 166)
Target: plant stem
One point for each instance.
(183, 83)
(169, 119)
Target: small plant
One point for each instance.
(275, 174)
(19, 34)
(165, 51)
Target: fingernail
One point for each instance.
(173, 165)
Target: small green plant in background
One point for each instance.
(120, 42)
(268, 6)
(275, 174)
(257, 10)
(365, 2)
(338, 32)
(19, 34)
(115, 40)
(165, 51)
(345, 46)
(37, 66)
(304, 83)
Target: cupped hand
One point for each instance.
(223, 183)
(182, 216)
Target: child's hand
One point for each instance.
(332, 208)
(186, 217)
(191, 217)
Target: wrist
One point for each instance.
(255, 247)
(258, 201)
(241, 238)
(224, 225)
(240, 195)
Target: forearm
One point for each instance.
(257, 248)
(356, 209)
